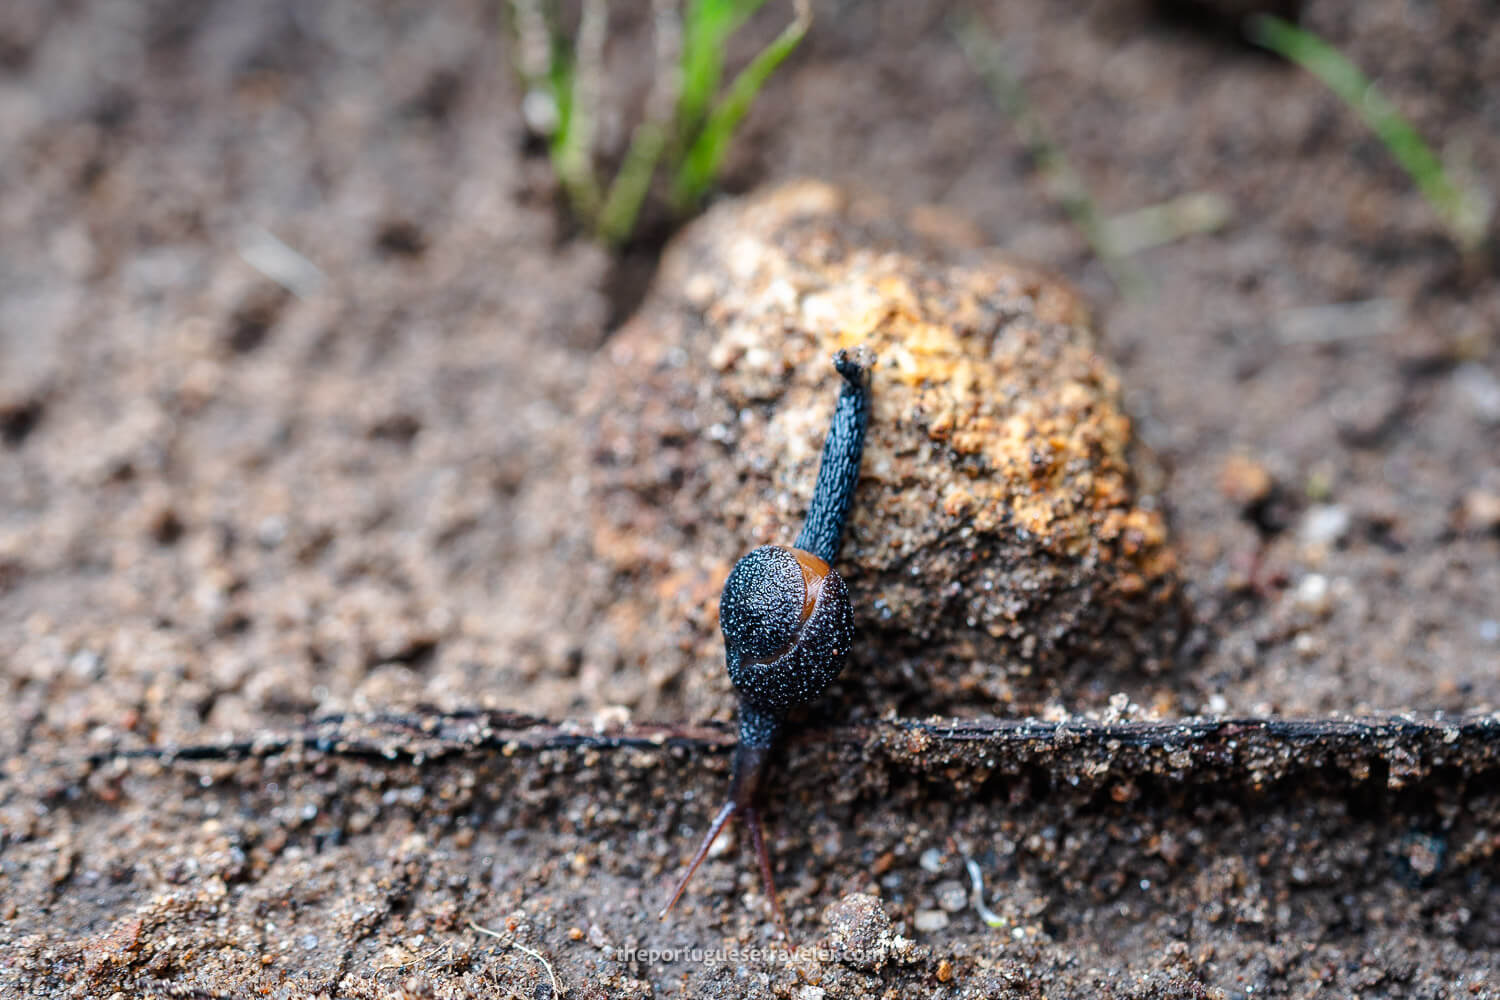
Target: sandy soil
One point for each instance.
(231, 501)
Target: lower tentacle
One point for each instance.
(726, 813)
(758, 841)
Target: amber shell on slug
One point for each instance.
(787, 626)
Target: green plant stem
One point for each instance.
(563, 97)
(706, 154)
(573, 146)
(1168, 221)
(622, 206)
(1465, 218)
(709, 24)
(628, 192)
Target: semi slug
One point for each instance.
(788, 623)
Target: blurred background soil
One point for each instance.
(290, 317)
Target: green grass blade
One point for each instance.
(708, 26)
(1168, 221)
(1460, 212)
(704, 156)
(577, 87)
(628, 192)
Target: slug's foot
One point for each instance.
(757, 840)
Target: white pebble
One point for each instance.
(1312, 594)
(1308, 646)
(1324, 524)
(722, 845)
(928, 921)
(539, 111)
(271, 531)
(952, 896)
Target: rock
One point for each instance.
(1312, 594)
(1324, 525)
(1245, 482)
(860, 935)
(1479, 511)
(596, 936)
(952, 896)
(999, 553)
(930, 921)
(417, 987)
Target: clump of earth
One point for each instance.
(1006, 548)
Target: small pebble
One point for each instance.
(1324, 525)
(859, 931)
(1244, 482)
(85, 664)
(1312, 594)
(931, 860)
(1308, 646)
(952, 896)
(930, 921)
(539, 112)
(1480, 511)
(726, 842)
(1425, 855)
(271, 532)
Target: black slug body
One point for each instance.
(787, 621)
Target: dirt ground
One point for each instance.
(290, 321)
